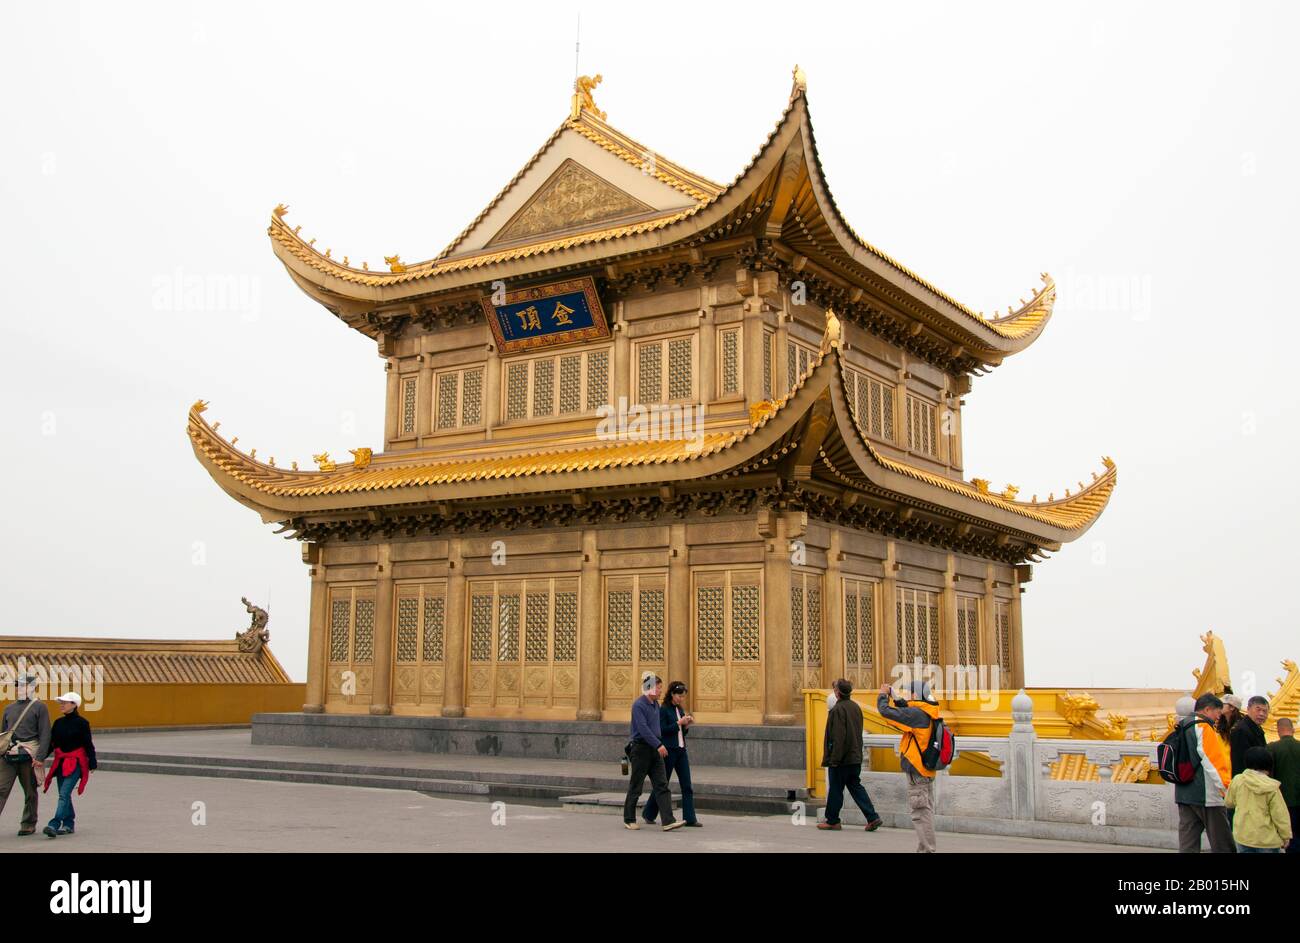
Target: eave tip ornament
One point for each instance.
(582, 100)
(800, 82)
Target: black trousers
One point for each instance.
(839, 778)
(645, 760)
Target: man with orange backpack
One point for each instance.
(915, 718)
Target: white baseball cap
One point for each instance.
(72, 696)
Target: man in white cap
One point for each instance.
(26, 727)
(646, 752)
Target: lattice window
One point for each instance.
(434, 628)
(448, 400)
(805, 620)
(566, 627)
(543, 387)
(769, 347)
(471, 399)
(650, 628)
(364, 632)
(480, 628)
(873, 405)
(516, 391)
(618, 609)
(666, 370)
(859, 631)
(408, 405)
(557, 384)
(340, 616)
(681, 368)
(797, 613)
(968, 630)
(799, 359)
(920, 426)
(917, 612)
(597, 379)
(571, 384)
(729, 342)
(537, 628)
(710, 628)
(408, 628)
(744, 624)
(650, 373)
(1002, 636)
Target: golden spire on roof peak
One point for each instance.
(582, 99)
(800, 82)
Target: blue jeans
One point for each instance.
(676, 760)
(64, 815)
(1246, 849)
(839, 778)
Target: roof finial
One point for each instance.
(800, 83)
(831, 339)
(582, 100)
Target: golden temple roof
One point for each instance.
(845, 453)
(813, 226)
(150, 661)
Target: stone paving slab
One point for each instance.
(129, 812)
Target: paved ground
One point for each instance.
(145, 812)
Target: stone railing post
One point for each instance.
(1021, 767)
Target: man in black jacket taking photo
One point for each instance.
(842, 757)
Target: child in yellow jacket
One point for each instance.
(1261, 822)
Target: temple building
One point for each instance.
(636, 419)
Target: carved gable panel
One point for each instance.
(572, 197)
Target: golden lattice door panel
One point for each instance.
(968, 631)
(419, 670)
(727, 630)
(805, 633)
(1002, 639)
(523, 643)
(860, 633)
(636, 636)
(350, 673)
(918, 626)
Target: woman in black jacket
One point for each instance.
(673, 724)
(72, 759)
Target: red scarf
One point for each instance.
(65, 763)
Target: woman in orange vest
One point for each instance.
(914, 719)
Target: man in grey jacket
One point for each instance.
(30, 721)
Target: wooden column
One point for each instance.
(424, 400)
(1017, 636)
(492, 391)
(679, 605)
(391, 418)
(989, 628)
(381, 697)
(706, 370)
(590, 664)
(833, 611)
(622, 370)
(317, 630)
(887, 650)
(456, 627)
(777, 692)
(949, 650)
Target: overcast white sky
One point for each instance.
(1145, 155)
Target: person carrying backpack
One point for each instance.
(1200, 795)
(915, 719)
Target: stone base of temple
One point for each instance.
(715, 745)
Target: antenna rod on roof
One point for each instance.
(577, 43)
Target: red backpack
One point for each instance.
(942, 748)
(1174, 757)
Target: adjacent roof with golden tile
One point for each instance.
(148, 661)
(844, 456)
(812, 225)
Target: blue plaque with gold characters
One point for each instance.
(547, 315)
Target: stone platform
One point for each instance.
(749, 747)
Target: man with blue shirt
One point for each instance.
(646, 753)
